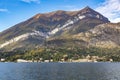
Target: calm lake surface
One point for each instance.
(59, 71)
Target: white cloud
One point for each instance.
(29, 1)
(110, 9)
(3, 10)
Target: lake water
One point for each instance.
(59, 71)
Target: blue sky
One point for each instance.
(15, 11)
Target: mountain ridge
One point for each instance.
(50, 25)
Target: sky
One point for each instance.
(15, 11)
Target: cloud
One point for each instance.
(29, 1)
(110, 9)
(3, 10)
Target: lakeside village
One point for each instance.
(87, 58)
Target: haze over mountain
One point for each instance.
(85, 27)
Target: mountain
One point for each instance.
(52, 26)
(104, 35)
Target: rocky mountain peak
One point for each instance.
(90, 13)
(87, 8)
(53, 24)
(61, 14)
